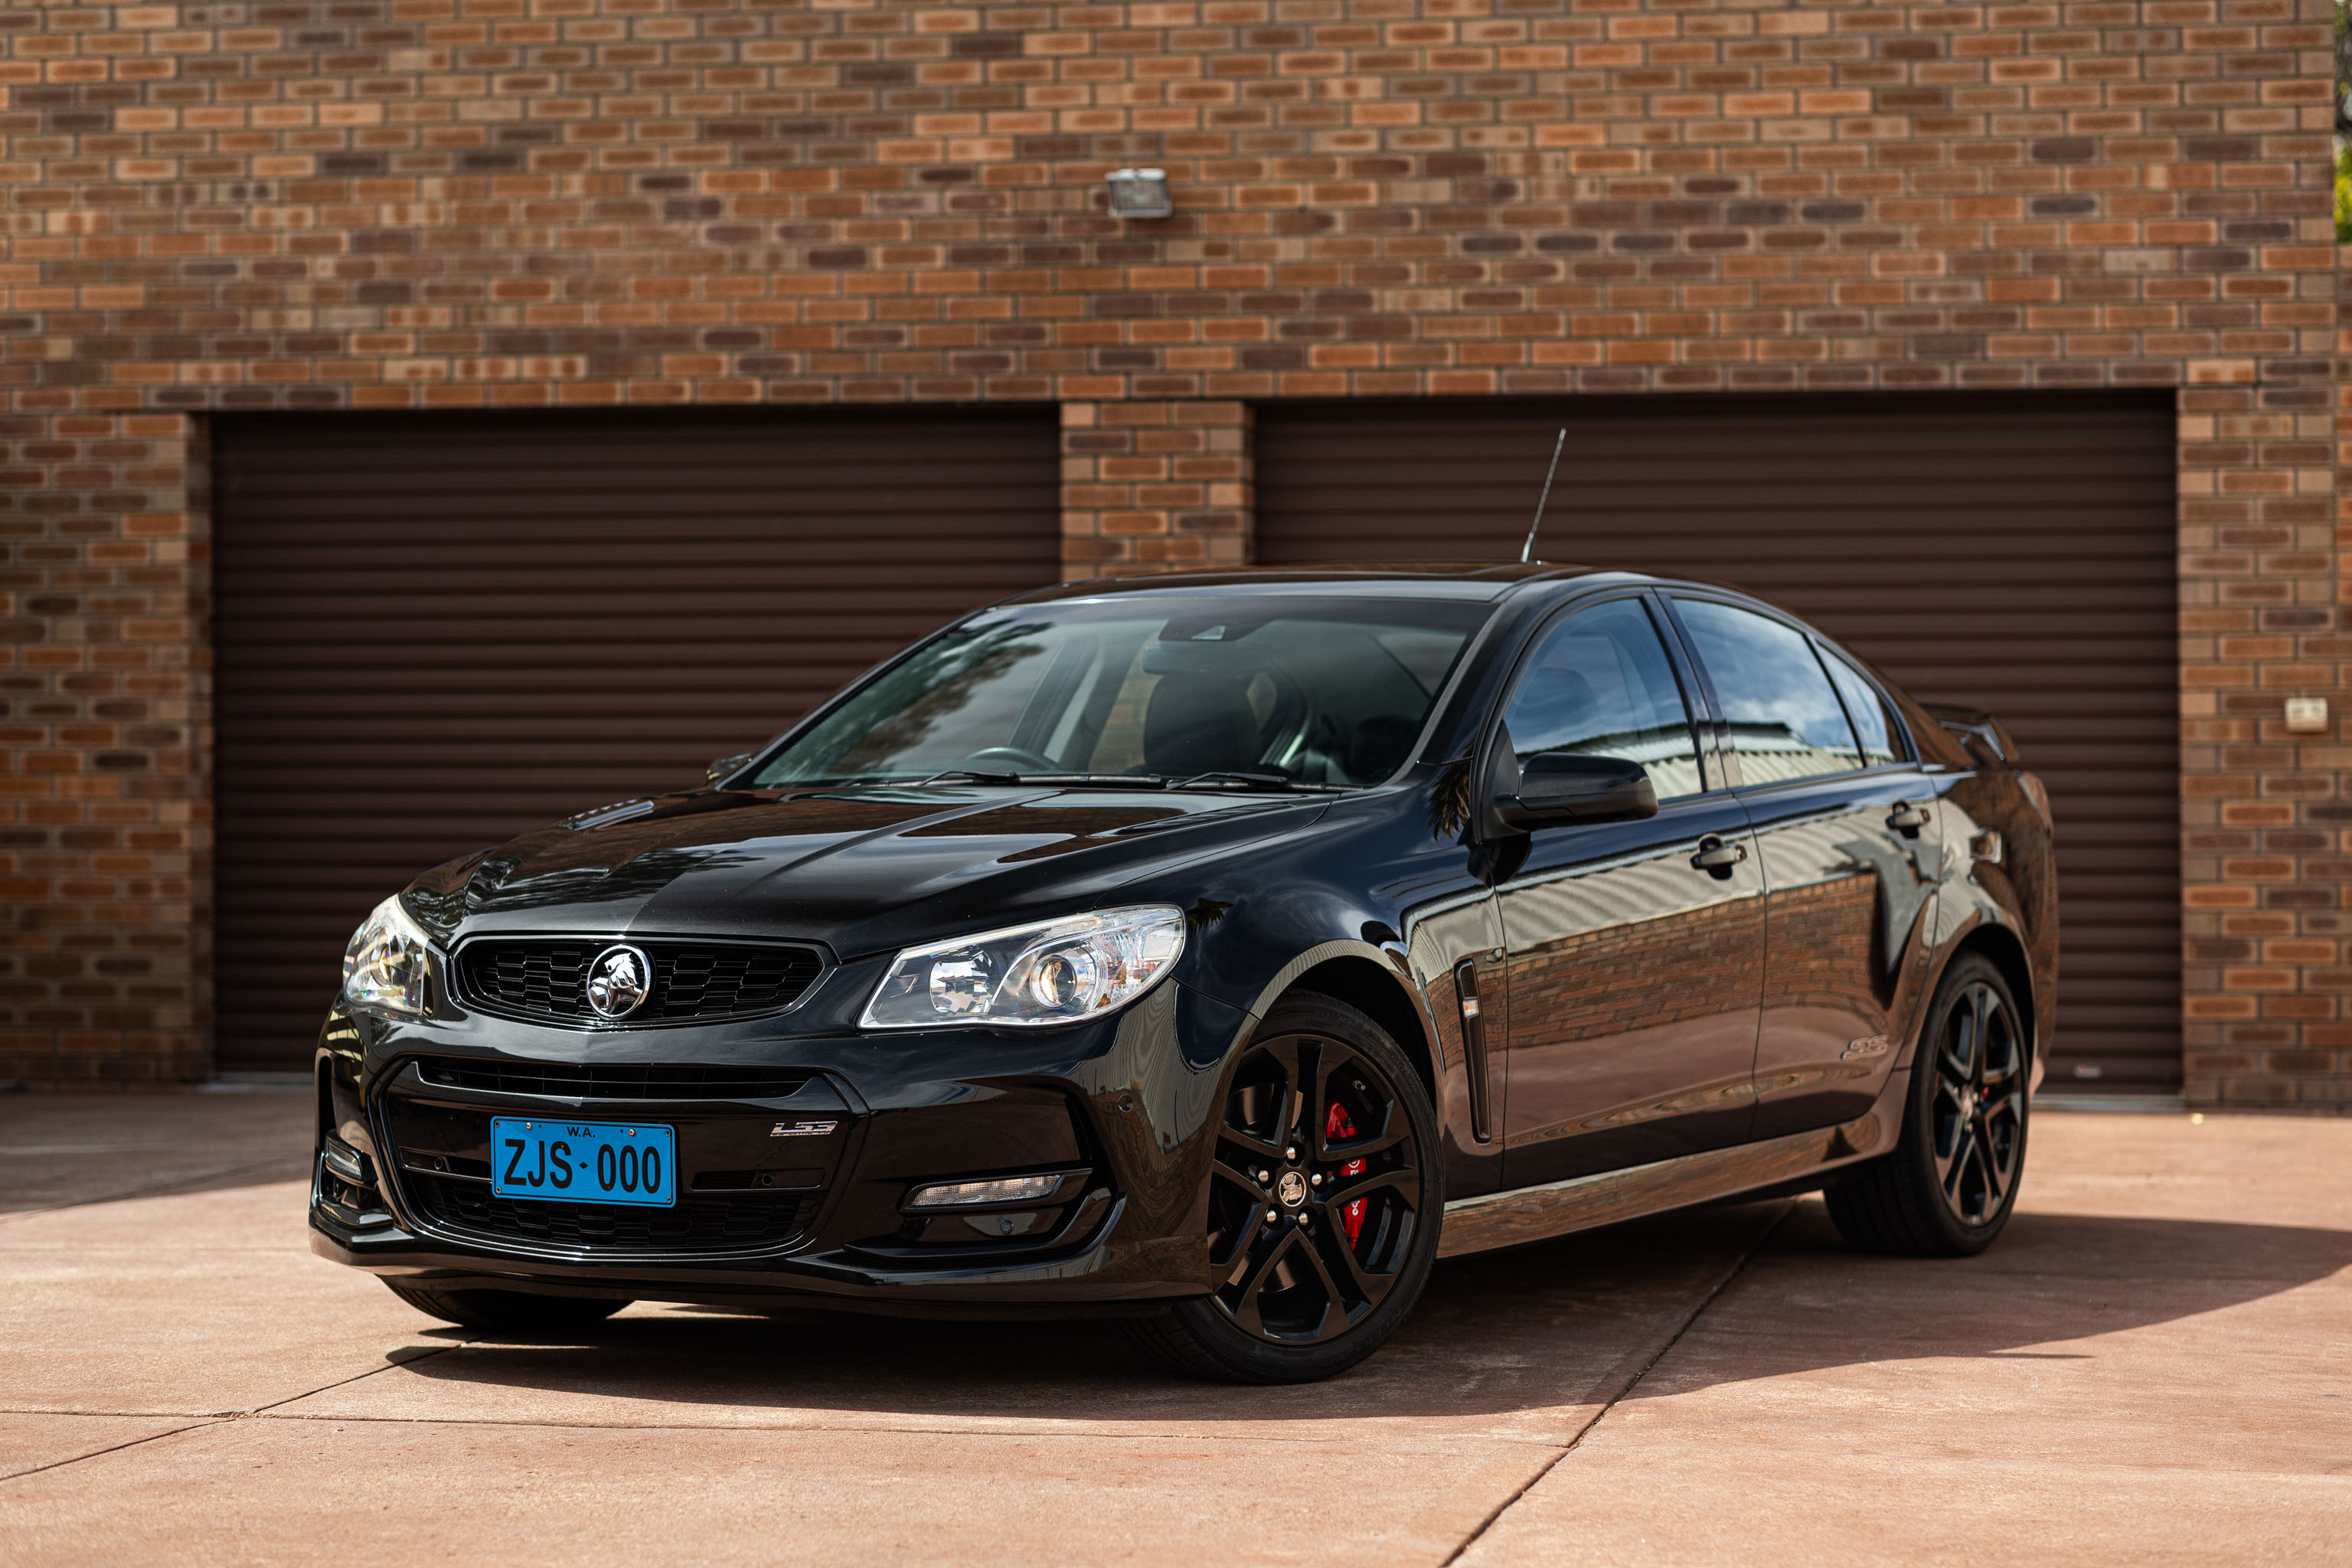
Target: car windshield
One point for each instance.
(1293, 690)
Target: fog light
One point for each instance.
(345, 1161)
(1004, 1190)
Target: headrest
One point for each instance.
(1197, 723)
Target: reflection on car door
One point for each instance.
(1845, 825)
(1635, 949)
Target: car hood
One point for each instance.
(861, 870)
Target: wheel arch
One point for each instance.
(1364, 978)
(2002, 947)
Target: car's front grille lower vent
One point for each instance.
(612, 1080)
(694, 1225)
(545, 979)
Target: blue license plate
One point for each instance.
(583, 1162)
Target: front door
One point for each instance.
(1635, 950)
(1845, 826)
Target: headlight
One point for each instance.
(1032, 977)
(385, 967)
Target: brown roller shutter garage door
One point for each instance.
(433, 631)
(2017, 553)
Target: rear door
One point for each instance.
(1635, 949)
(1845, 829)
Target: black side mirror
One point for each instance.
(1557, 787)
(725, 765)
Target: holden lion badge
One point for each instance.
(619, 982)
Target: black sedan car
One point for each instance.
(1215, 953)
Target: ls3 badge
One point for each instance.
(1870, 1046)
(803, 1129)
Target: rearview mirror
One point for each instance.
(725, 765)
(1557, 787)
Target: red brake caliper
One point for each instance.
(1338, 1125)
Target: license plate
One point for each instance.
(583, 1162)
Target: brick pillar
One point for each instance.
(2263, 866)
(2330, 929)
(105, 829)
(1156, 486)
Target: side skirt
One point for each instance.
(1582, 1203)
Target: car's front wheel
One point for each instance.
(513, 1311)
(1949, 1187)
(1325, 1202)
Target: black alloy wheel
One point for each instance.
(1978, 1104)
(1324, 1205)
(1315, 1193)
(1949, 1187)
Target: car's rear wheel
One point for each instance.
(1325, 1202)
(1947, 1189)
(514, 1312)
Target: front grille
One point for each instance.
(612, 1080)
(693, 1224)
(546, 978)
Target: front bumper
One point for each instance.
(1122, 1107)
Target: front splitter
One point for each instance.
(1107, 1275)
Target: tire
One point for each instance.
(515, 1311)
(1947, 1189)
(1312, 1292)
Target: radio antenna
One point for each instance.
(1528, 550)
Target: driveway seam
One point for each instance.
(111, 1447)
(346, 1382)
(215, 1417)
(1721, 1284)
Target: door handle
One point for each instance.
(1907, 819)
(1716, 858)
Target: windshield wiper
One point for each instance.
(1065, 780)
(1215, 776)
(1258, 780)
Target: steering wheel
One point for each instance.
(1027, 762)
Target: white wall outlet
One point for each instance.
(2308, 715)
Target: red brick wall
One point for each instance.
(487, 202)
(1155, 486)
(104, 826)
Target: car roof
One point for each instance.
(1473, 580)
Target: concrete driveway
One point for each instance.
(2150, 1368)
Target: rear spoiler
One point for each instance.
(1978, 730)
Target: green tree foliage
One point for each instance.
(2343, 121)
(2344, 191)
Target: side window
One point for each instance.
(1881, 736)
(1785, 721)
(1599, 683)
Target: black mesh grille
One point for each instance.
(612, 1080)
(547, 978)
(695, 1224)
